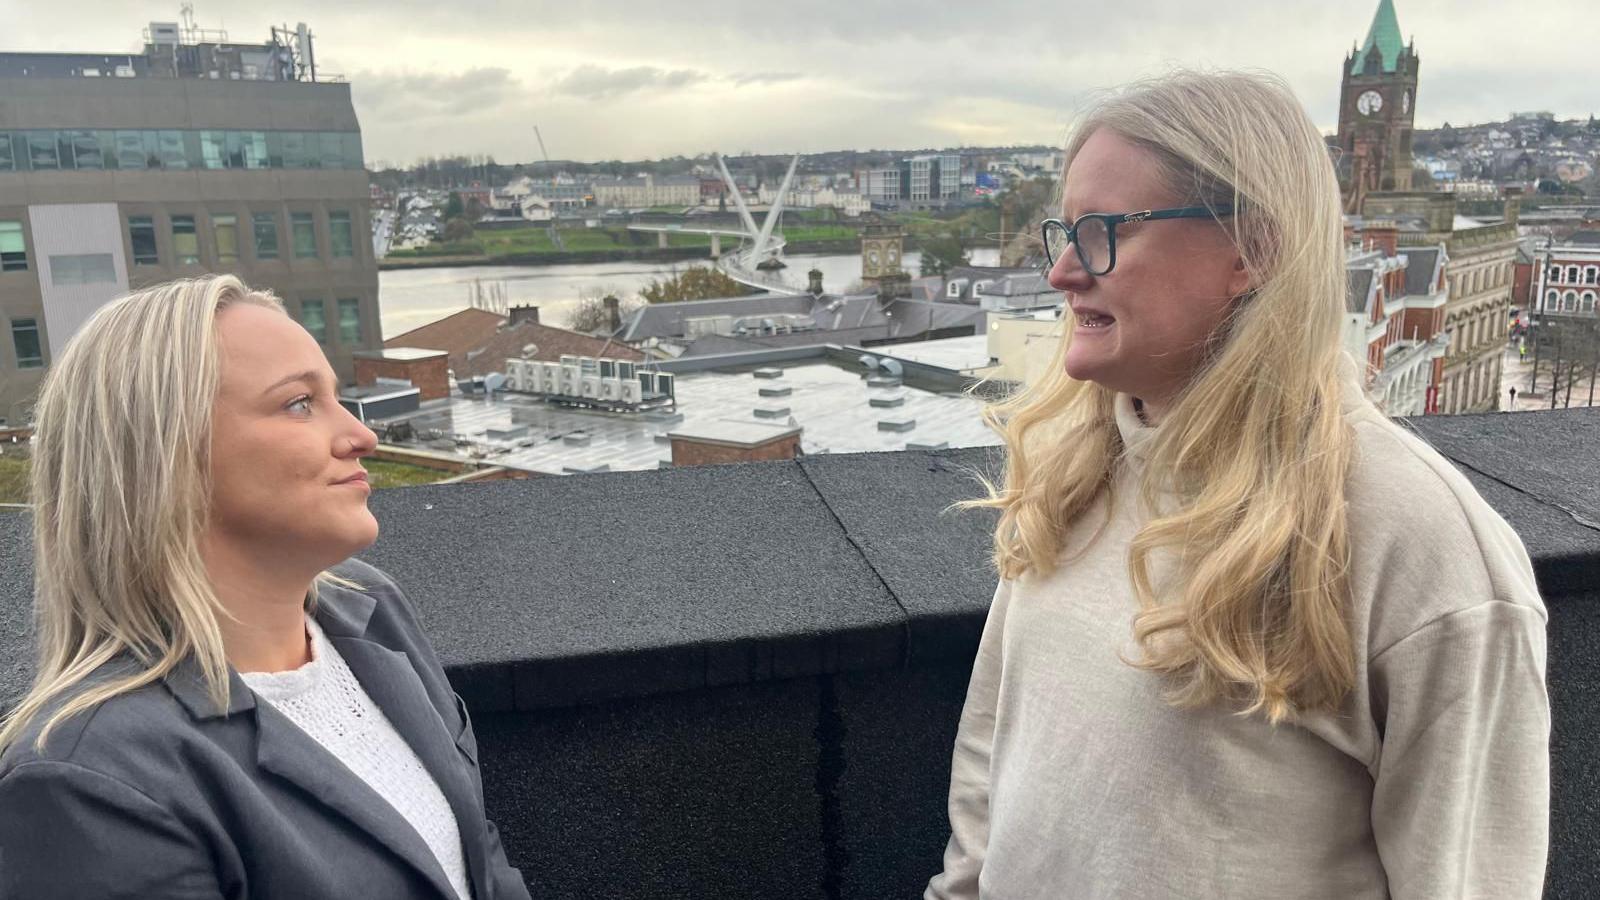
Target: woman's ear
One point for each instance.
(1239, 280)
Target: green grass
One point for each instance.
(383, 475)
(13, 478)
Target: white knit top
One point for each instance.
(326, 701)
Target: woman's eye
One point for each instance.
(301, 404)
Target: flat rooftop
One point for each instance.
(958, 354)
(832, 405)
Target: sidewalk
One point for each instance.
(1517, 374)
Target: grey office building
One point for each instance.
(119, 171)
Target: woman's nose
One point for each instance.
(1068, 273)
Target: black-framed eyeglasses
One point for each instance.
(1095, 234)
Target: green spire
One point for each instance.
(1384, 37)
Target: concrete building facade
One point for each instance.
(1479, 277)
(112, 184)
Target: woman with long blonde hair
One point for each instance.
(225, 703)
(1251, 638)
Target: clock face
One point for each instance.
(1369, 103)
(1405, 102)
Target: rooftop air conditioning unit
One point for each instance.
(550, 378)
(611, 389)
(589, 387)
(631, 392)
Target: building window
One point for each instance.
(142, 239)
(1572, 274)
(213, 150)
(303, 230)
(1587, 305)
(43, 154)
(1550, 299)
(341, 236)
(13, 251)
(226, 229)
(314, 319)
(294, 149)
(254, 146)
(266, 232)
(85, 148)
(1590, 273)
(48, 150)
(170, 145)
(1569, 301)
(349, 321)
(185, 241)
(137, 150)
(25, 340)
(83, 268)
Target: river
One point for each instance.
(414, 297)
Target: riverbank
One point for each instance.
(589, 257)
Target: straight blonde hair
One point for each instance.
(121, 495)
(1255, 445)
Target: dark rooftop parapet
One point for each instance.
(744, 681)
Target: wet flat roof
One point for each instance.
(832, 405)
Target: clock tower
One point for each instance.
(881, 246)
(1377, 103)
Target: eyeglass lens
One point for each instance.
(1094, 244)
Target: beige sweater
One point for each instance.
(1072, 778)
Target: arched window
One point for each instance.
(1569, 301)
(1572, 274)
(1590, 274)
(1587, 305)
(1554, 274)
(1551, 299)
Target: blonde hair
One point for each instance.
(1255, 445)
(121, 493)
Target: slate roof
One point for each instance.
(1422, 262)
(1359, 293)
(659, 320)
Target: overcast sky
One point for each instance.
(605, 79)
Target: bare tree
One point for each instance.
(590, 315)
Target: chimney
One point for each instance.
(613, 313)
(520, 314)
(1513, 203)
(816, 282)
(1381, 234)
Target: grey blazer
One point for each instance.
(156, 794)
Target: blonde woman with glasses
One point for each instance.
(1251, 639)
(226, 704)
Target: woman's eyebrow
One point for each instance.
(308, 376)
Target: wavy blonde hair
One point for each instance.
(121, 492)
(1255, 445)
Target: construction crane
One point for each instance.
(555, 233)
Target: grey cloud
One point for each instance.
(414, 93)
(595, 82)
